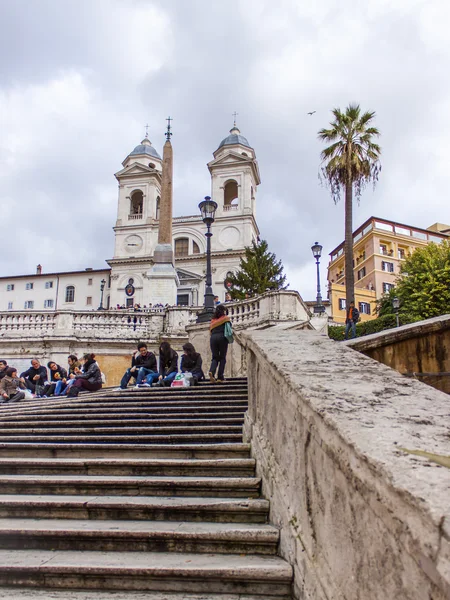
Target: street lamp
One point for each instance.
(396, 306)
(317, 253)
(102, 287)
(207, 209)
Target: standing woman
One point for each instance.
(90, 378)
(168, 364)
(218, 343)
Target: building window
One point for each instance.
(183, 300)
(195, 248)
(383, 249)
(387, 287)
(90, 281)
(136, 203)
(29, 305)
(158, 206)
(388, 267)
(89, 301)
(70, 293)
(361, 273)
(130, 302)
(48, 285)
(29, 286)
(10, 305)
(401, 253)
(342, 303)
(182, 247)
(230, 193)
(48, 303)
(364, 307)
(10, 287)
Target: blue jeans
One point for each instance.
(126, 378)
(350, 325)
(62, 388)
(169, 378)
(147, 374)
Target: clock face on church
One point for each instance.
(133, 243)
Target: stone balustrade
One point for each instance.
(27, 322)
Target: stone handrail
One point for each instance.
(352, 460)
(27, 321)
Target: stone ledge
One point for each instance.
(359, 517)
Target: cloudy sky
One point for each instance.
(79, 79)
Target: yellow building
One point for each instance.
(379, 247)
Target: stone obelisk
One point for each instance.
(163, 277)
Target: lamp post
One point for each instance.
(102, 288)
(396, 306)
(207, 209)
(317, 253)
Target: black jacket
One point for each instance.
(31, 372)
(169, 366)
(62, 373)
(148, 361)
(191, 364)
(355, 315)
(91, 372)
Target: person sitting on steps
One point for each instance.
(168, 364)
(35, 378)
(191, 362)
(11, 387)
(57, 374)
(90, 378)
(3, 367)
(143, 366)
(218, 343)
(63, 385)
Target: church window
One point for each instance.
(130, 302)
(230, 193)
(195, 248)
(183, 300)
(70, 293)
(158, 203)
(182, 247)
(151, 165)
(244, 154)
(137, 203)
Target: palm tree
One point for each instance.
(349, 163)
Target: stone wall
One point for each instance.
(420, 350)
(334, 434)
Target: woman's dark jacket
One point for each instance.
(91, 372)
(191, 363)
(62, 373)
(169, 365)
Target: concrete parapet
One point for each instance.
(336, 436)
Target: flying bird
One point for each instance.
(312, 112)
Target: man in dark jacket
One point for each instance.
(36, 375)
(3, 367)
(143, 366)
(351, 320)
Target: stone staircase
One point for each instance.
(137, 495)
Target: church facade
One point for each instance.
(128, 280)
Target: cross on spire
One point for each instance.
(146, 131)
(235, 114)
(168, 132)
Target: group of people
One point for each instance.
(80, 375)
(139, 308)
(85, 374)
(146, 372)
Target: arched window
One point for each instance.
(195, 248)
(70, 293)
(136, 203)
(158, 206)
(182, 247)
(230, 196)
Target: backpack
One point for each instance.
(228, 332)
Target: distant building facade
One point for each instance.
(234, 180)
(379, 248)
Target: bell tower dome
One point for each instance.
(234, 175)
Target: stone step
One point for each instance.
(33, 594)
(148, 429)
(198, 437)
(138, 571)
(144, 508)
(169, 413)
(137, 536)
(123, 450)
(35, 423)
(225, 467)
(236, 487)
